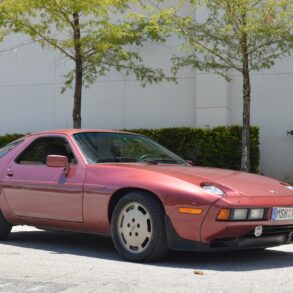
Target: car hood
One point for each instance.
(235, 183)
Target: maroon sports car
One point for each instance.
(147, 198)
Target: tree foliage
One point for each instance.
(95, 35)
(3, 29)
(216, 42)
(234, 35)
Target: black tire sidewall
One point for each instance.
(5, 227)
(158, 226)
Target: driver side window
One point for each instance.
(36, 153)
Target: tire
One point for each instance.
(258, 249)
(5, 227)
(138, 227)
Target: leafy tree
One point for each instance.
(96, 35)
(3, 28)
(239, 35)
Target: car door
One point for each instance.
(32, 189)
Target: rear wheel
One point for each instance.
(138, 227)
(5, 227)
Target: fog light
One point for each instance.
(239, 214)
(258, 231)
(256, 214)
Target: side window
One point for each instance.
(6, 149)
(37, 152)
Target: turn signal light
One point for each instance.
(223, 215)
(193, 211)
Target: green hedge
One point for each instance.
(7, 138)
(215, 147)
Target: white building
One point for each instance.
(30, 100)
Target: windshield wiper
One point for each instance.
(167, 161)
(152, 162)
(117, 160)
(106, 160)
(157, 161)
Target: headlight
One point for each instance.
(288, 186)
(256, 214)
(213, 189)
(241, 214)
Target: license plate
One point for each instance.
(282, 214)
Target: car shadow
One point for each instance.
(100, 247)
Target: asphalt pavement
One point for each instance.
(32, 260)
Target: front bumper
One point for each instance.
(271, 236)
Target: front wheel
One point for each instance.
(138, 227)
(5, 227)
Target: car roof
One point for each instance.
(72, 131)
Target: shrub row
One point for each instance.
(214, 147)
(5, 139)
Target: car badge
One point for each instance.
(273, 191)
(258, 231)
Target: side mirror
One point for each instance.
(55, 161)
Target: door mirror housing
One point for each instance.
(56, 161)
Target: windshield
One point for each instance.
(6, 149)
(100, 147)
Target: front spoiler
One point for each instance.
(175, 242)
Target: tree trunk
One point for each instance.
(245, 154)
(78, 74)
(77, 95)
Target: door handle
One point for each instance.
(10, 173)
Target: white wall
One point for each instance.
(212, 103)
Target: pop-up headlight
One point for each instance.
(213, 189)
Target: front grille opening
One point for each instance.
(223, 242)
(272, 231)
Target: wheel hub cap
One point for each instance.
(135, 227)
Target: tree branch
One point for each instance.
(207, 48)
(188, 35)
(48, 40)
(19, 46)
(60, 10)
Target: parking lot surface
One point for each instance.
(33, 260)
